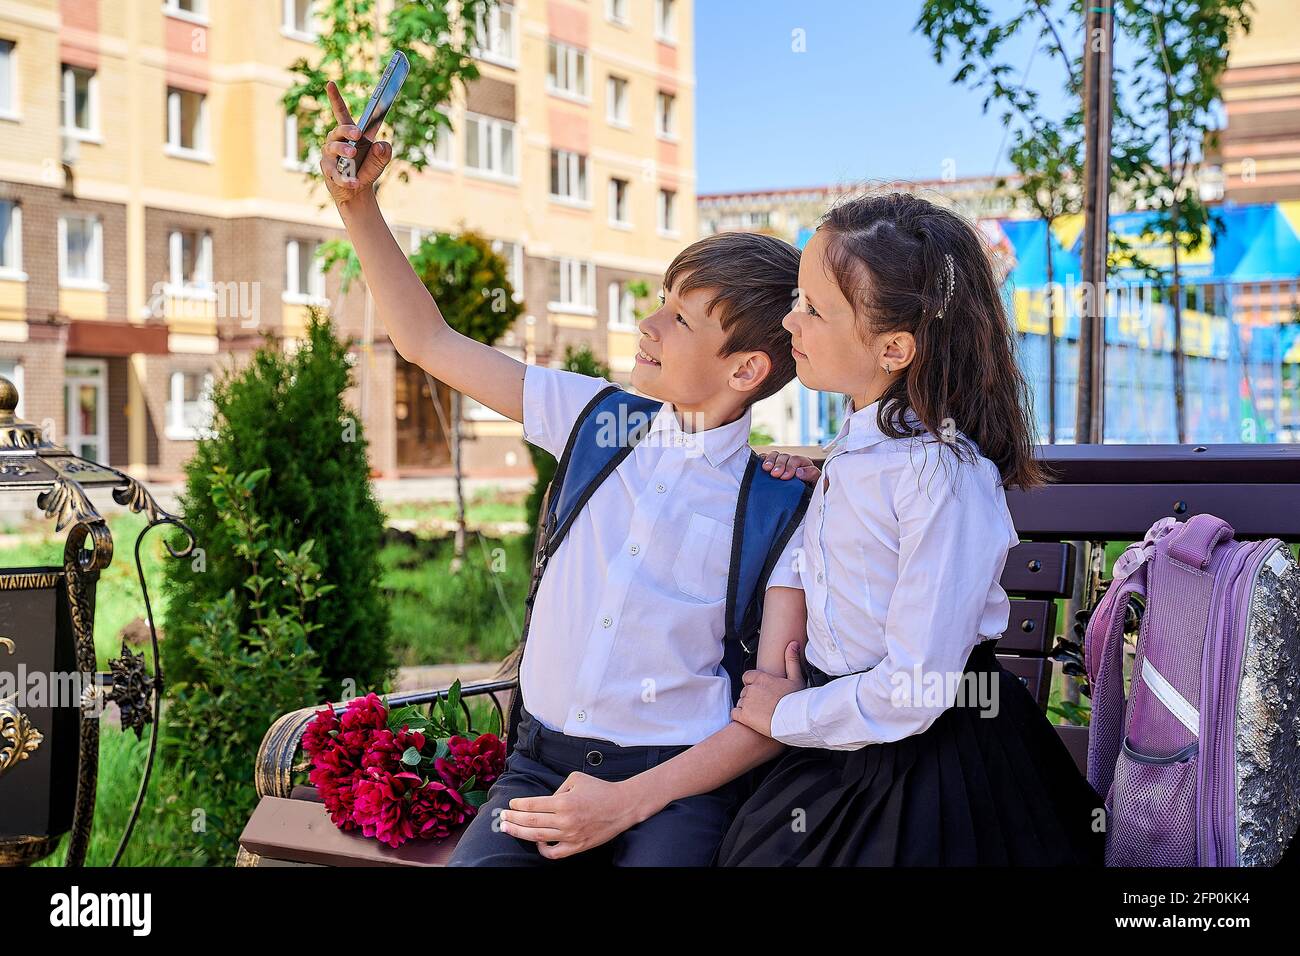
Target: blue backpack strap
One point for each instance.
(767, 514)
(605, 433)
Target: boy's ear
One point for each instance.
(751, 372)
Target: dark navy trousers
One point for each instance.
(687, 832)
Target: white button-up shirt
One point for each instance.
(902, 558)
(625, 642)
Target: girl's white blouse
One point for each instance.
(903, 548)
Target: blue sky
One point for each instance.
(865, 101)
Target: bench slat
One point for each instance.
(300, 831)
(1039, 569)
(1035, 672)
(1031, 629)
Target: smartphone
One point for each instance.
(381, 100)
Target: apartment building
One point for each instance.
(156, 221)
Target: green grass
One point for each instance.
(444, 618)
(163, 833)
(487, 506)
(118, 599)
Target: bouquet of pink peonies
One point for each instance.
(401, 774)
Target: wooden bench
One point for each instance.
(1101, 493)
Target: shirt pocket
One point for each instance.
(704, 559)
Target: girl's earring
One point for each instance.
(887, 369)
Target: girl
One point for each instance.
(910, 745)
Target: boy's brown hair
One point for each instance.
(753, 279)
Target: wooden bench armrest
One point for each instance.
(277, 756)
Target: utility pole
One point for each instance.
(1099, 37)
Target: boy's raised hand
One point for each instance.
(343, 188)
(783, 465)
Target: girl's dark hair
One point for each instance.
(888, 255)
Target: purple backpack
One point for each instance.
(1200, 766)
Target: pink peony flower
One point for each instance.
(382, 807)
(483, 759)
(437, 809)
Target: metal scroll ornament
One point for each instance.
(32, 463)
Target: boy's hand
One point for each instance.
(782, 465)
(343, 188)
(584, 813)
(764, 691)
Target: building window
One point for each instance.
(299, 20)
(80, 102)
(81, 252)
(667, 212)
(573, 286)
(196, 10)
(189, 255)
(12, 369)
(187, 124)
(11, 240)
(441, 152)
(666, 115)
(513, 254)
(616, 12)
(566, 70)
(666, 21)
(494, 38)
(189, 405)
(618, 214)
(8, 80)
(299, 153)
(616, 101)
(622, 306)
(569, 176)
(490, 146)
(304, 278)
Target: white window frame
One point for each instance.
(496, 37)
(75, 370)
(315, 295)
(575, 274)
(666, 217)
(96, 254)
(200, 16)
(666, 21)
(613, 16)
(494, 128)
(201, 287)
(291, 160)
(516, 272)
(67, 112)
(446, 143)
(624, 221)
(666, 115)
(10, 111)
(565, 82)
(290, 29)
(574, 186)
(618, 109)
(622, 307)
(13, 270)
(176, 428)
(17, 378)
(173, 147)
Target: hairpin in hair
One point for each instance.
(949, 274)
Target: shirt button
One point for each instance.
(661, 488)
(606, 622)
(634, 549)
(581, 715)
(820, 577)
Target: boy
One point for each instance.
(626, 741)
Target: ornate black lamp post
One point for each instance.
(51, 695)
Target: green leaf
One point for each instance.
(411, 757)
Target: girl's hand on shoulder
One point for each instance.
(343, 188)
(786, 466)
(763, 691)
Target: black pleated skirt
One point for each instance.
(972, 789)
